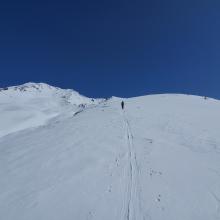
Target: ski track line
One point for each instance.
(133, 210)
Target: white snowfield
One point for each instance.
(158, 159)
(33, 104)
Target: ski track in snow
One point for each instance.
(133, 210)
(217, 199)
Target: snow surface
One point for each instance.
(159, 159)
(33, 104)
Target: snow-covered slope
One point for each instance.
(159, 159)
(33, 104)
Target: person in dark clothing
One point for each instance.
(122, 104)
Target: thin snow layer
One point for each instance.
(159, 159)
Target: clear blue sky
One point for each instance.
(119, 47)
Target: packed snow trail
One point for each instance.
(133, 211)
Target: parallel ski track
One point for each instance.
(134, 208)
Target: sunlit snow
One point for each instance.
(65, 156)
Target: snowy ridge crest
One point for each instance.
(35, 104)
(34, 90)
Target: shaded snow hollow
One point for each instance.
(65, 156)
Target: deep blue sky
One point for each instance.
(117, 47)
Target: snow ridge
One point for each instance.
(35, 104)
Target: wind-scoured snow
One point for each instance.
(158, 159)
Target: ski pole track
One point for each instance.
(134, 209)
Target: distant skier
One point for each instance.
(122, 104)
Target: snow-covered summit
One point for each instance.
(30, 86)
(35, 90)
(158, 159)
(34, 104)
